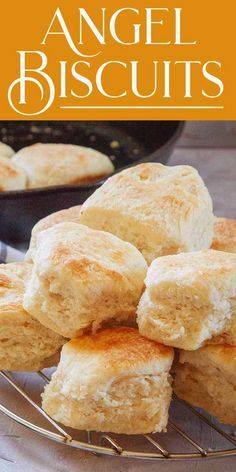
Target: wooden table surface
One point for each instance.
(211, 148)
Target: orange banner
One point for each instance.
(125, 59)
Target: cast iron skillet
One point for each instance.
(126, 142)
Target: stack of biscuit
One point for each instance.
(141, 269)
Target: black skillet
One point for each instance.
(126, 142)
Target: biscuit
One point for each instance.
(225, 240)
(115, 381)
(62, 164)
(24, 343)
(224, 235)
(161, 210)
(6, 151)
(189, 299)
(83, 278)
(12, 177)
(71, 214)
(206, 379)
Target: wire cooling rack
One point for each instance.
(176, 444)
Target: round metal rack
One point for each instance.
(153, 447)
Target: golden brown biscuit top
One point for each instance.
(12, 177)
(81, 249)
(151, 189)
(12, 278)
(121, 345)
(71, 215)
(224, 235)
(62, 164)
(7, 170)
(186, 268)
